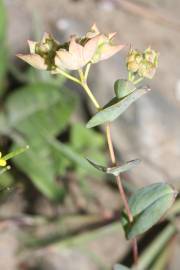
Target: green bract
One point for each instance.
(115, 108)
(147, 206)
(116, 170)
(123, 88)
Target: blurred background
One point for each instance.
(56, 212)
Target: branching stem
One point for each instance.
(68, 76)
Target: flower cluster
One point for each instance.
(48, 54)
(144, 64)
(42, 53)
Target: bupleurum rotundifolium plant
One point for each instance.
(147, 205)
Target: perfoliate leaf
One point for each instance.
(147, 206)
(116, 170)
(114, 109)
(123, 88)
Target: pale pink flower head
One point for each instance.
(105, 48)
(79, 53)
(48, 54)
(42, 53)
(91, 48)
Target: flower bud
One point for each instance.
(144, 63)
(133, 60)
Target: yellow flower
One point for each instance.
(2, 161)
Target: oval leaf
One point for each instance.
(116, 170)
(111, 112)
(147, 206)
(122, 88)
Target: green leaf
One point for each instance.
(122, 88)
(68, 152)
(81, 136)
(120, 267)
(5, 176)
(39, 165)
(39, 108)
(34, 115)
(79, 142)
(116, 170)
(147, 206)
(2, 20)
(111, 111)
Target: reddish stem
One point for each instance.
(121, 190)
(113, 160)
(135, 250)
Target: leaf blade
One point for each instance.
(110, 113)
(116, 170)
(147, 206)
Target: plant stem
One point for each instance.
(91, 96)
(118, 179)
(68, 76)
(113, 160)
(121, 191)
(87, 89)
(87, 71)
(138, 81)
(135, 250)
